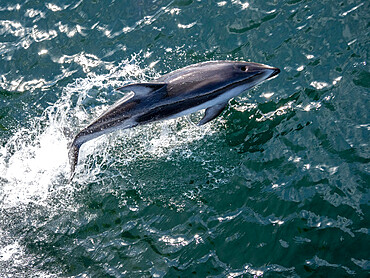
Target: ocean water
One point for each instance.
(277, 186)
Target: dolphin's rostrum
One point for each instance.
(209, 85)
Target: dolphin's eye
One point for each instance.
(244, 68)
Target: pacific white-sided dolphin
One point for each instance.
(209, 85)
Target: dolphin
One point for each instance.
(208, 85)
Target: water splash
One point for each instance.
(34, 167)
(36, 157)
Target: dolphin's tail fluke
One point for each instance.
(73, 157)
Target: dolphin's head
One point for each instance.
(213, 75)
(240, 72)
(250, 74)
(250, 70)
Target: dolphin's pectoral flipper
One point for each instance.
(212, 113)
(143, 89)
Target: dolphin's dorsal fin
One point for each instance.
(212, 112)
(143, 89)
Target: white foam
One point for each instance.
(37, 162)
(35, 159)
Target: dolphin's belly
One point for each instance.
(187, 106)
(222, 98)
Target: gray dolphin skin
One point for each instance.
(208, 85)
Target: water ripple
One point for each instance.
(282, 173)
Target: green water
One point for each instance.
(277, 186)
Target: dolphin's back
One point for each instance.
(198, 78)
